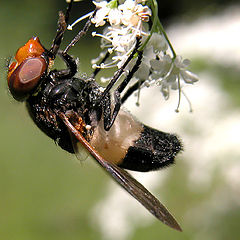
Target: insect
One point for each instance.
(78, 114)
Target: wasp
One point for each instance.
(80, 115)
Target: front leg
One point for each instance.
(109, 117)
(62, 26)
(67, 73)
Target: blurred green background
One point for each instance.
(46, 194)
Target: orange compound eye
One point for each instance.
(25, 73)
(25, 78)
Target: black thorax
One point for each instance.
(64, 95)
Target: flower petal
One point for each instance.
(188, 76)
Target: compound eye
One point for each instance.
(25, 78)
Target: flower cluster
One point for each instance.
(125, 24)
(126, 20)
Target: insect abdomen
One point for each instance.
(153, 150)
(134, 146)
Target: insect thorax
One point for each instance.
(64, 95)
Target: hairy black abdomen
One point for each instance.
(153, 150)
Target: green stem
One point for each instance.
(157, 27)
(166, 37)
(154, 7)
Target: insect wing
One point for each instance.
(131, 185)
(140, 193)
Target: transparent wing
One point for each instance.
(131, 185)
(139, 192)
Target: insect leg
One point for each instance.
(97, 70)
(125, 82)
(132, 89)
(62, 26)
(119, 72)
(80, 34)
(108, 117)
(71, 69)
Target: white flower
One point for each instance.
(161, 66)
(114, 17)
(127, 5)
(102, 12)
(189, 77)
(133, 13)
(158, 42)
(168, 73)
(143, 12)
(128, 20)
(143, 72)
(179, 70)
